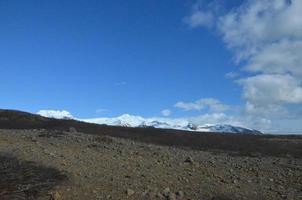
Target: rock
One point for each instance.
(172, 196)
(34, 139)
(166, 192)
(212, 162)
(127, 176)
(151, 195)
(52, 154)
(52, 143)
(159, 196)
(145, 193)
(55, 196)
(72, 130)
(186, 180)
(64, 163)
(180, 194)
(130, 192)
(189, 160)
(94, 145)
(284, 196)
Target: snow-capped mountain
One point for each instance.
(127, 120)
(226, 128)
(165, 123)
(123, 120)
(57, 114)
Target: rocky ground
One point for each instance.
(44, 164)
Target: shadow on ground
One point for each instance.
(26, 180)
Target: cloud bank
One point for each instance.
(267, 35)
(266, 39)
(214, 105)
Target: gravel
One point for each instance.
(103, 167)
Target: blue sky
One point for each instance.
(106, 58)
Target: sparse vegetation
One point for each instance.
(43, 158)
(235, 144)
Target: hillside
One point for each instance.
(240, 143)
(51, 159)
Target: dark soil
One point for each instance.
(43, 158)
(235, 144)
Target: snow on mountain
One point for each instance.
(138, 121)
(226, 128)
(166, 123)
(127, 120)
(123, 120)
(57, 114)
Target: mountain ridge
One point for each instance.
(134, 121)
(127, 120)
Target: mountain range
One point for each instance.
(127, 120)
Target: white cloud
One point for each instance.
(266, 38)
(267, 35)
(189, 106)
(215, 118)
(200, 16)
(255, 24)
(166, 112)
(268, 111)
(214, 105)
(280, 57)
(232, 75)
(57, 114)
(272, 89)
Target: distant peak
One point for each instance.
(128, 120)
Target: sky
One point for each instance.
(236, 62)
